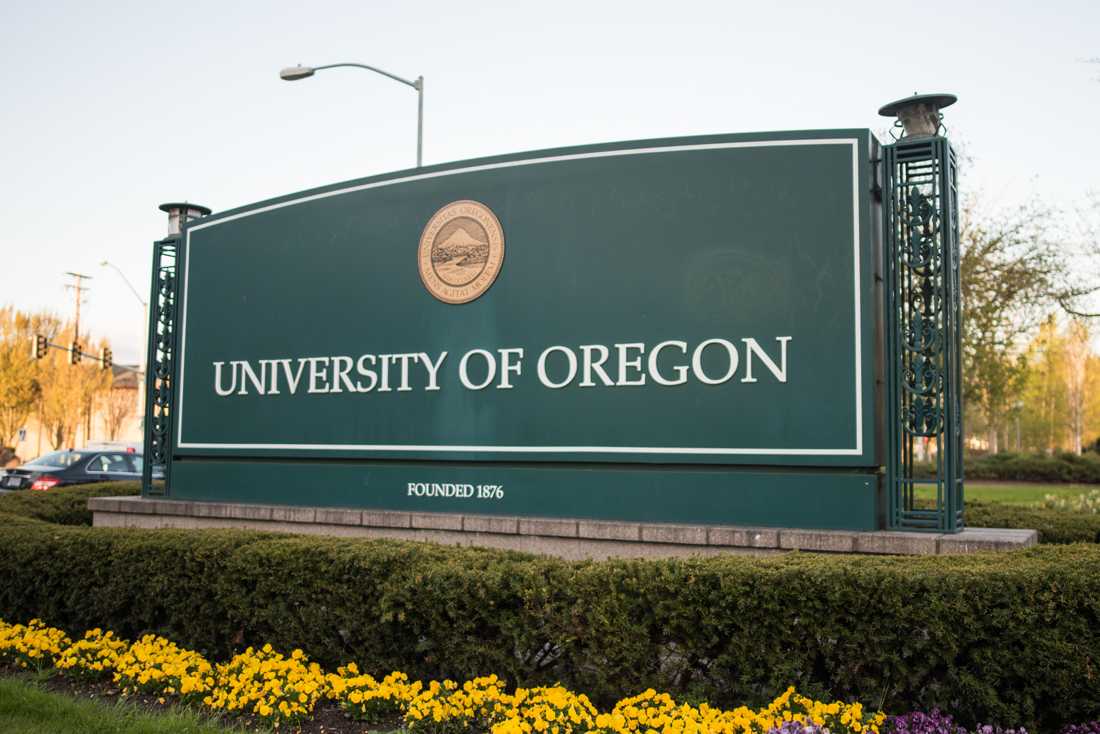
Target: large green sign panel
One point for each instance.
(595, 331)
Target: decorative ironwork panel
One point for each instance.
(923, 335)
(161, 365)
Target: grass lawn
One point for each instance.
(27, 709)
(1015, 493)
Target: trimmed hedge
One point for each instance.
(64, 505)
(1054, 526)
(1010, 638)
(9, 519)
(1008, 466)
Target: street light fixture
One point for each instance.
(294, 73)
(142, 355)
(108, 264)
(919, 115)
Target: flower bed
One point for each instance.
(281, 690)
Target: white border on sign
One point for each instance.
(685, 451)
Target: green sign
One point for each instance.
(673, 329)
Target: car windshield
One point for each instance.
(56, 458)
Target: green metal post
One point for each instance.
(923, 321)
(162, 346)
(160, 364)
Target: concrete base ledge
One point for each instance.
(571, 539)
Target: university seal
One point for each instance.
(461, 251)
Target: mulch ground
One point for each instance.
(327, 716)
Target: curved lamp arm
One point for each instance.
(109, 264)
(294, 73)
(414, 85)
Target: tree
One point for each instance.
(118, 407)
(1046, 399)
(69, 394)
(1078, 352)
(1014, 272)
(18, 379)
(20, 384)
(1092, 402)
(1061, 400)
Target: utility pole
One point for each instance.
(78, 288)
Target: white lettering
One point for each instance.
(570, 357)
(490, 364)
(780, 372)
(385, 360)
(586, 365)
(680, 370)
(362, 369)
(268, 366)
(440, 489)
(596, 366)
(315, 374)
(507, 366)
(341, 366)
(697, 362)
(432, 368)
(249, 375)
(218, 378)
(635, 364)
(292, 383)
(404, 359)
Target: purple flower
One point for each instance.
(1093, 727)
(799, 727)
(918, 722)
(937, 722)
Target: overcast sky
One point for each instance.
(109, 109)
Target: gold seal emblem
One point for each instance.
(461, 251)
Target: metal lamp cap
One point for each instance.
(919, 114)
(181, 212)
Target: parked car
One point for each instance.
(82, 466)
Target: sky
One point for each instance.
(109, 109)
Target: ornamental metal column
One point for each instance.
(923, 324)
(161, 359)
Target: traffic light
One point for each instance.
(38, 346)
(74, 353)
(105, 358)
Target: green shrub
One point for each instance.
(8, 519)
(1054, 526)
(1007, 466)
(63, 505)
(1011, 638)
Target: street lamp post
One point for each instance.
(144, 332)
(294, 73)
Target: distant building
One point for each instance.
(117, 418)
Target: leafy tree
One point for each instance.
(1092, 402)
(1045, 395)
(1060, 403)
(20, 384)
(69, 394)
(1014, 272)
(1076, 375)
